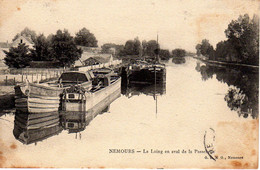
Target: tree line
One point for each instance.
(60, 48)
(241, 46)
(145, 48)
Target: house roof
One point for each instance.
(91, 61)
(102, 58)
(25, 37)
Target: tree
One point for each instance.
(42, 49)
(85, 38)
(198, 47)
(225, 51)
(178, 52)
(205, 49)
(164, 54)
(137, 46)
(132, 47)
(144, 47)
(105, 48)
(243, 34)
(49, 38)
(64, 49)
(28, 33)
(151, 46)
(129, 47)
(18, 57)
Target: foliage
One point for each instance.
(243, 34)
(242, 44)
(49, 37)
(178, 52)
(151, 47)
(198, 47)
(144, 47)
(164, 54)
(41, 50)
(59, 48)
(135, 47)
(243, 93)
(18, 57)
(28, 33)
(85, 38)
(64, 49)
(132, 47)
(225, 51)
(106, 48)
(129, 48)
(205, 49)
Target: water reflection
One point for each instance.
(32, 128)
(73, 122)
(149, 90)
(178, 60)
(242, 95)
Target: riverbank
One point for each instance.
(229, 64)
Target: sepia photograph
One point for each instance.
(151, 84)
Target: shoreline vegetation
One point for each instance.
(241, 47)
(226, 63)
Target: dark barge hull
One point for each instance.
(147, 76)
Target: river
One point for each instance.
(173, 116)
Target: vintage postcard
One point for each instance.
(154, 84)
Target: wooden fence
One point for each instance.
(31, 75)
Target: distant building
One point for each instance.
(99, 59)
(89, 58)
(91, 61)
(92, 56)
(22, 39)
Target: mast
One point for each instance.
(157, 49)
(156, 59)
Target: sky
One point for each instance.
(179, 23)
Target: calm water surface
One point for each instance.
(195, 97)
